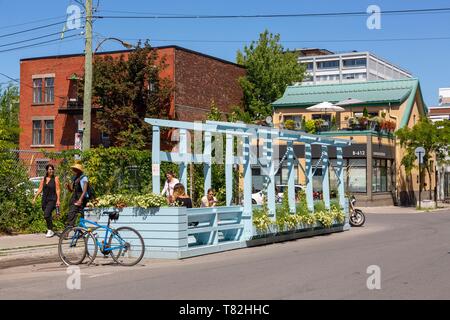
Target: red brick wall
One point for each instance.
(200, 80)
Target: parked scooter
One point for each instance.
(357, 217)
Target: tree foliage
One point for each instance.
(433, 137)
(128, 89)
(9, 117)
(269, 70)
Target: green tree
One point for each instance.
(128, 89)
(9, 117)
(433, 137)
(269, 70)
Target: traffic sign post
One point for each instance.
(420, 152)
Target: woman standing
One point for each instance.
(50, 189)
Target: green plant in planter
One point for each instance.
(149, 200)
(365, 112)
(261, 219)
(310, 126)
(289, 124)
(325, 218)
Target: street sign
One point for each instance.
(420, 152)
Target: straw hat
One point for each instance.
(78, 167)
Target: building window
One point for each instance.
(309, 66)
(46, 137)
(43, 90)
(37, 133)
(381, 175)
(49, 90)
(328, 64)
(356, 175)
(355, 62)
(297, 121)
(49, 132)
(37, 90)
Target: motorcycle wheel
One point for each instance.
(357, 218)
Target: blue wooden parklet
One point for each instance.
(167, 231)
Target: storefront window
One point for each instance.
(381, 175)
(356, 176)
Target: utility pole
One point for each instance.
(87, 78)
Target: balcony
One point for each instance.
(351, 125)
(73, 106)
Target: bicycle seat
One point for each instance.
(113, 215)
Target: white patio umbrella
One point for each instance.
(325, 107)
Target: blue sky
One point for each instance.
(426, 59)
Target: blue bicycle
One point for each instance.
(125, 245)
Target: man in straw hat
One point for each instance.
(79, 187)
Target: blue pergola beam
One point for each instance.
(291, 173)
(309, 177)
(340, 176)
(156, 172)
(207, 164)
(325, 177)
(229, 161)
(184, 156)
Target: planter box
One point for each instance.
(164, 229)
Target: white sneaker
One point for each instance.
(49, 234)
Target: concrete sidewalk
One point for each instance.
(27, 249)
(399, 210)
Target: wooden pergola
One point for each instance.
(245, 135)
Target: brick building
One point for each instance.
(50, 112)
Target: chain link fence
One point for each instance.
(33, 161)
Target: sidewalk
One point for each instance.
(399, 210)
(27, 249)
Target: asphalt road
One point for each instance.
(411, 251)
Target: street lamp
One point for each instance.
(124, 43)
(88, 85)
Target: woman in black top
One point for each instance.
(50, 189)
(180, 197)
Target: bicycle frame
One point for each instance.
(84, 224)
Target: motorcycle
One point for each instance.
(357, 217)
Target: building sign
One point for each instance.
(379, 154)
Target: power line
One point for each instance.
(293, 41)
(32, 39)
(30, 22)
(294, 15)
(39, 43)
(32, 29)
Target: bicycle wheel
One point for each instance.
(127, 246)
(75, 244)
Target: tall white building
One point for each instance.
(325, 67)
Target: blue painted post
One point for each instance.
(229, 169)
(184, 154)
(291, 173)
(309, 177)
(270, 172)
(248, 210)
(325, 177)
(156, 172)
(207, 164)
(340, 176)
